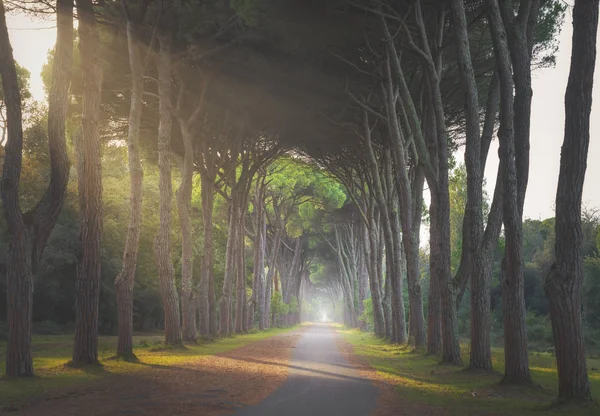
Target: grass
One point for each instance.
(52, 353)
(421, 379)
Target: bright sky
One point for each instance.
(31, 41)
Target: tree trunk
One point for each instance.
(413, 270)
(371, 244)
(513, 303)
(260, 266)
(240, 273)
(87, 286)
(434, 315)
(363, 282)
(184, 200)
(27, 242)
(481, 355)
(231, 248)
(162, 243)
(124, 281)
(563, 284)
(271, 273)
(440, 268)
(207, 314)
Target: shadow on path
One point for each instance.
(321, 382)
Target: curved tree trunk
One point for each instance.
(124, 281)
(563, 285)
(513, 303)
(27, 243)
(87, 286)
(481, 354)
(162, 243)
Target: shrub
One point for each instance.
(47, 328)
(367, 315)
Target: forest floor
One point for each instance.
(415, 384)
(315, 370)
(210, 378)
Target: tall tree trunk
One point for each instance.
(184, 200)
(231, 248)
(240, 273)
(413, 269)
(440, 267)
(371, 252)
(207, 324)
(162, 243)
(271, 273)
(434, 315)
(563, 284)
(513, 303)
(29, 233)
(481, 355)
(87, 286)
(124, 281)
(363, 282)
(19, 276)
(258, 292)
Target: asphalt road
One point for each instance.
(320, 383)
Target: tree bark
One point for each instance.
(371, 252)
(363, 282)
(207, 324)
(87, 286)
(225, 320)
(513, 303)
(240, 272)
(481, 354)
(162, 243)
(184, 200)
(258, 292)
(29, 233)
(124, 282)
(413, 269)
(563, 284)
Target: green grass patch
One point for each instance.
(421, 379)
(51, 353)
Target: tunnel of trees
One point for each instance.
(215, 167)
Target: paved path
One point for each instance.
(321, 383)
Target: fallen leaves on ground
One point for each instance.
(208, 386)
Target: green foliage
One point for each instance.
(367, 315)
(539, 332)
(278, 307)
(303, 192)
(548, 27)
(293, 305)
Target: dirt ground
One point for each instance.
(208, 386)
